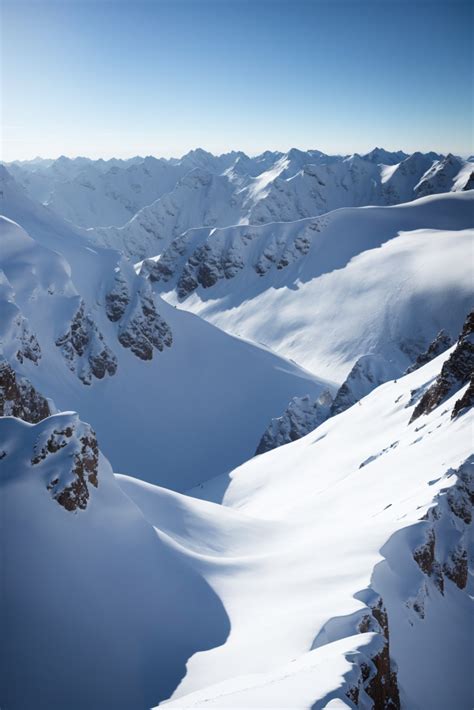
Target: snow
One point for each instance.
(162, 563)
(381, 280)
(218, 390)
(140, 205)
(331, 520)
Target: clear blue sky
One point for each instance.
(117, 77)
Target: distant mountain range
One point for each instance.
(140, 205)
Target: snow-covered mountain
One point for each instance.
(140, 205)
(325, 291)
(90, 334)
(327, 577)
(237, 474)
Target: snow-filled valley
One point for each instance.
(236, 434)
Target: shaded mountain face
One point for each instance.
(394, 499)
(380, 280)
(139, 206)
(92, 335)
(321, 573)
(370, 371)
(116, 602)
(457, 370)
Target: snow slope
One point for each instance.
(373, 280)
(140, 205)
(294, 186)
(98, 610)
(347, 527)
(320, 573)
(188, 401)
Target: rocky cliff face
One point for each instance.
(369, 372)
(443, 554)
(203, 258)
(377, 679)
(67, 457)
(142, 329)
(302, 416)
(441, 343)
(456, 372)
(84, 349)
(18, 397)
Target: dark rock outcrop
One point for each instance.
(28, 346)
(442, 556)
(18, 397)
(117, 299)
(143, 329)
(301, 416)
(368, 372)
(441, 343)
(378, 676)
(465, 402)
(84, 349)
(455, 373)
(76, 471)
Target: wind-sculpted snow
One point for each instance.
(163, 390)
(364, 567)
(140, 205)
(304, 415)
(379, 280)
(201, 258)
(99, 608)
(295, 186)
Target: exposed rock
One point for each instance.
(74, 472)
(369, 372)
(441, 343)
(117, 299)
(456, 567)
(84, 349)
(18, 397)
(456, 372)
(143, 329)
(470, 182)
(301, 416)
(378, 677)
(424, 556)
(28, 346)
(464, 402)
(448, 522)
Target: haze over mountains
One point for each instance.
(163, 321)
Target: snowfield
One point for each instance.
(366, 280)
(276, 582)
(188, 400)
(236, 417)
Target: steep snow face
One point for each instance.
(91, 334)
(296, 185)
(118, 610)
(199, 198)
(353, 282)
(139, 206)
(369, 527)
(445, 174)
